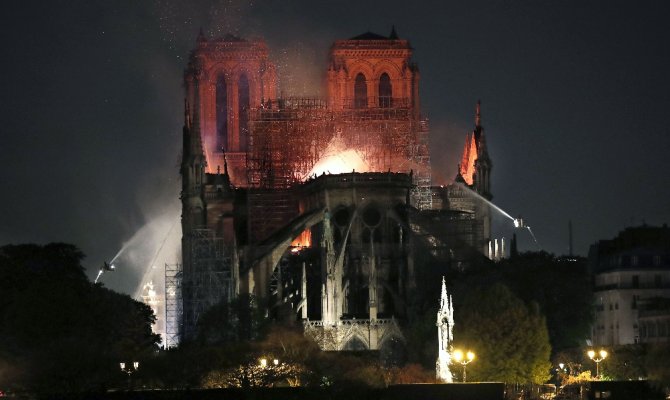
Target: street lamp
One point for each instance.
(464, 360)
(602, 355)
(129, 370)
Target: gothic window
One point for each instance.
(385, 91)
(360, 92)
(243, 112)
(221, 113)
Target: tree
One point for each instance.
(58, 331)
(241, 319)
(562, 289)
(657, 366)
(510, 339)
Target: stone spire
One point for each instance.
(394, 34)
(445, 327)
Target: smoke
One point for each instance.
(447, 139)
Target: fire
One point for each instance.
(303, 240)
(467, 165)
(345, 161)
(338, 159)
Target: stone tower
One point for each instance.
(373, 71)
(445, 327)
(228, 77)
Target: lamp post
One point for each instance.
(464, 360)
(269, 371)
(129, 369)
(602, 355)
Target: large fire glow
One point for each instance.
(338, 159)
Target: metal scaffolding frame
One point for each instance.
(289, 136)
(173, 304)
(208, 279)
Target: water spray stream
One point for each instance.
(487, 201)
(533, 236)
(123, 248)
(99, 275)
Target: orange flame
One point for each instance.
(467, 165)
(303, 240)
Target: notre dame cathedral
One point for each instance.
(322, 206)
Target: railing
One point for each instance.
(351, 322)
(376, 102)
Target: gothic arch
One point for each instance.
(360, 91)
(364, 67)
(388, 67)
(221, 107)
(254, 79)
(385, 91)
(355, 343)
(244, 93)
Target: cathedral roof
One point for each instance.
(370, 36)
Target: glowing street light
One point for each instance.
(602, 355)
(129, 370)
(464, 360)
(264, 362)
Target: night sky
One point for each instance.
(575, 103)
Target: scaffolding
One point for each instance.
(173, 304)
(289, 136)
(208, 278)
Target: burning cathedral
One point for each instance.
(322, 206)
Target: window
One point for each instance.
(658, 281)
(360, 92)
(243, 112)
(221, 113)
(385, 91)
(636, 281)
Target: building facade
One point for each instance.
(631, 277)
(316, 204)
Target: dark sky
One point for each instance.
(575, 102)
